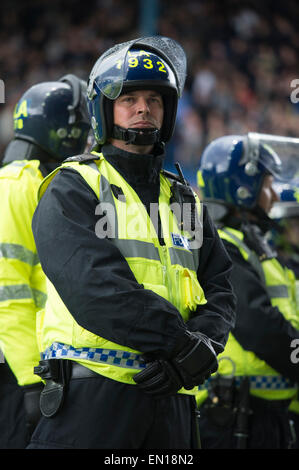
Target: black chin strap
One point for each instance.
(136, 136)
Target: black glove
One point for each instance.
(192, 362)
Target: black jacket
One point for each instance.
(94, 280)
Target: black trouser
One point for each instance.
(268, 427)
(19, 410)
(100, 413)
(294, 417)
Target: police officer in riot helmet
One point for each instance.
(136, 311)
(246, 403)
(50, 124)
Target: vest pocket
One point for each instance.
(190, 289)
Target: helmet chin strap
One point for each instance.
(136, 136)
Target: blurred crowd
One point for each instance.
(242, 60)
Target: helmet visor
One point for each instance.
(277, 154)
(108, 73)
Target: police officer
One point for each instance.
(50, 123)
(286, 213)
(285, 239)
(137, 309)
(246, 403)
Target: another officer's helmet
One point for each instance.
(155, 63)
(53, 116)
(231, 173)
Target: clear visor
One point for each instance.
(281, 210)
(108, 73)
(283, 161)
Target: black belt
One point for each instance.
(80, 372)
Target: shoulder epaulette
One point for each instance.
(170, 175)
(84, 158)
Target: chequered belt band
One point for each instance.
(131, 360)
(260, 382)
(114, 357)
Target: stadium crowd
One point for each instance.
(242, 60)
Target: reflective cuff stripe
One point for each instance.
(113, 357)
(278, 291)
(19, 252)
(21, 292)
(260, 382)
(136, 249)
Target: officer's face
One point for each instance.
(268, 195)
(139, 109)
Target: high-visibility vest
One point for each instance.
(169, 270)
(265, 382)
(22, 281)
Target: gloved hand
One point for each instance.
(192, 362)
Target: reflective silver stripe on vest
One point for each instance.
(21, 292)
(139, 249)
(278, 291)
(260, 382)
(113, 357)
(252, 257)
(19, 252)
(136, 249)
(182, 257)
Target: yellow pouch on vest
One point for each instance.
(191, 291)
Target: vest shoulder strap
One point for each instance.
(252, 257)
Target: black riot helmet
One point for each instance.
(155, 63)
(50, 121)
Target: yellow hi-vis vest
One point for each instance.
(22, 281)
(169, 271)
(265, 382)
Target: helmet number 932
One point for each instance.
(146, 63)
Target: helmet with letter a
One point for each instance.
(51, 118)
(232, 169)
(150, 63)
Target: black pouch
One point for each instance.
(56, 373)
(51, 398)
(220, 402)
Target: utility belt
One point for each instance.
(56, 374)
(229, 404)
